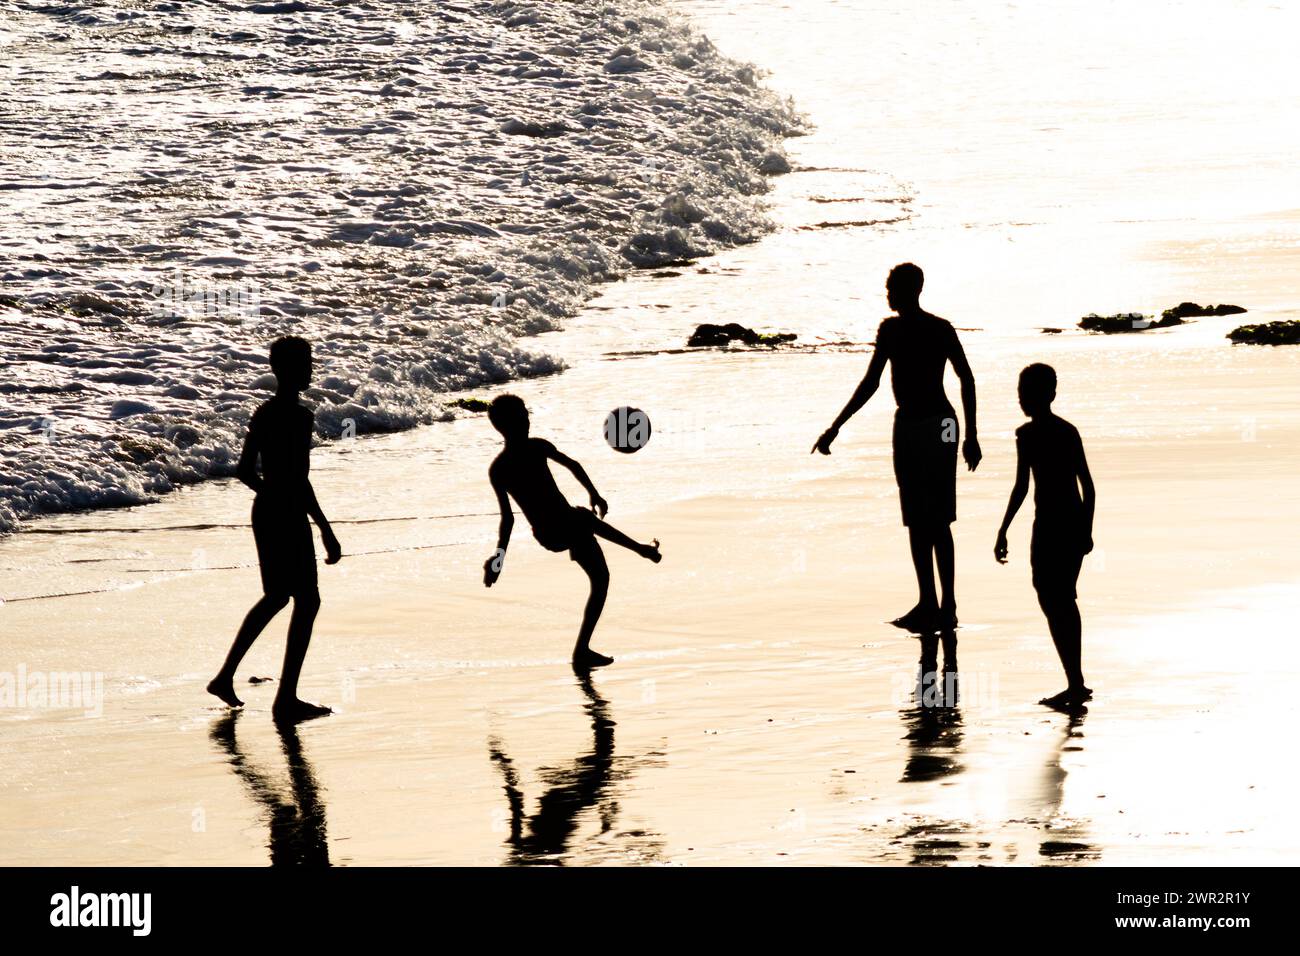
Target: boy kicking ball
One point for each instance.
(522, 472)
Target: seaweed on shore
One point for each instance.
(1137, 322)
(1267, 333)
(1125, 322)
(707, 334)
(1187, 310)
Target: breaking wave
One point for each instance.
(416, 188)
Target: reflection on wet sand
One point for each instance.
(296, 817)
(934, 734)
(1064, 840)
(546, 837)
(934, 748)
(933, 724)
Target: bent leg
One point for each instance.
(260, 615)
(591, 559)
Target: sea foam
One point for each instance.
(416, 188)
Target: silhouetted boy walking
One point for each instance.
(1049, 448)
(522, 472)
(279, 435)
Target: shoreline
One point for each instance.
(758, 711)
(756, 652)
(428, 265)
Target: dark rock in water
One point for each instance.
(774, 164)
(626, 63)
(1050, 331)
(1267, 333)
(294, 7)
(138, 449)
(514, 127)
(1125, 322)
(1136, 322)
(722, 335)
(470, 404)
(731, 332)
(1187, 310)
(87, 305)
(183, 436)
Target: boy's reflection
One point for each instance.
(545, 836)
(296, 818)
(1064, 841)
(934, 728)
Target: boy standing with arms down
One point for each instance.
(279, 435)
(1050, 449)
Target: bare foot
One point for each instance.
(651, 551)
(224, 688)
(919, 620)
(586, 660)
(1071, 697)
(294, 711)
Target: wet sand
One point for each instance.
(759, 712)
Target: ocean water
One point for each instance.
(923, 142)
(1040, 161)
(421, 190)
(756, 652)
(417, 188)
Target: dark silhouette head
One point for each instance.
(903, 287)
(291, 362)
(1037, 389)
(509, 416)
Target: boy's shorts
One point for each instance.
(571, 533)
(1056, 557)
(925, 467)
(286, 550)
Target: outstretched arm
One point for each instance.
(492, 566)
(970, 448)
(333, 550)
(861, 395)
(1018, 493)
(598, 504)
(1089, 498)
